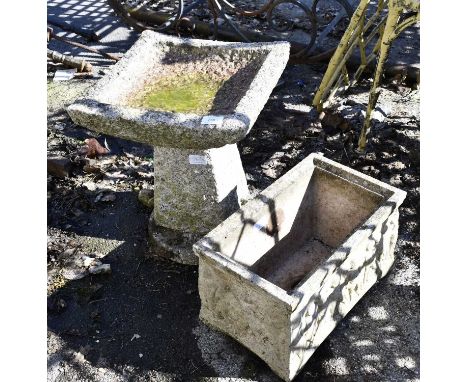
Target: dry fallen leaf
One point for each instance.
(115, 175)
(93, 148)
(100, 269)
(74, 274)
(135, 336)
(108, 198)
(91, 169)
(101, 197)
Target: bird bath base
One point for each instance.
(171, 244)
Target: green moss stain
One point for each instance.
(188, 93)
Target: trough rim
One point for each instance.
(310, 284)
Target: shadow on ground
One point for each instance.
(158, 300)
(145, 316)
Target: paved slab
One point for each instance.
(95, 15)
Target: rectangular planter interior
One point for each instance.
(280, 273)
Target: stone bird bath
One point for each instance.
(192, 100)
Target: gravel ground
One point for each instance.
(140, 322)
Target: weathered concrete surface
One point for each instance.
(280, 309)
(171, 244)
(194, 190)
(64, 92)
(106, 107)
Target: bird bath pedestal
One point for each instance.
(193, 100)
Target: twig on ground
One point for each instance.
(70, 61)
(82, 46)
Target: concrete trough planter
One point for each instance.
(280, 273)
(199, 179)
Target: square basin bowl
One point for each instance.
(183, 93)
(282, 271)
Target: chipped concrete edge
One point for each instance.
(185, 131)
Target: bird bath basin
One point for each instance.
(192, 100)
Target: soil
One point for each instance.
(140, 322)
(96, 317)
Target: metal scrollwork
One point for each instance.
(165, 15)
(289, 24)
